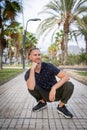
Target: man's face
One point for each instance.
(35, 56)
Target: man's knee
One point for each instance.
(35, 94)
(69, 86)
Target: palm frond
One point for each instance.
(46, 24)
(79, 7)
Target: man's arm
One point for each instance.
(31, 80)
(63, 78)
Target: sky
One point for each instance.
(31, 9)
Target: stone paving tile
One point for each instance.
(16, 109)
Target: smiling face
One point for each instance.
(35, 56)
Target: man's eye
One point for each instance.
(37, 55)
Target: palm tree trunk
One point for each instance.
(10, 54)
(16, 54)
(62, 57)
(66, 31)
(66, 48)
(1, 55)
(86, 49)
(86, 45)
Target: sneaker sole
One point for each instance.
(40, 109)
(68, 117)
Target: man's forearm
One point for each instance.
(31, 80)
(61, 82)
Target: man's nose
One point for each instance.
(38, 56)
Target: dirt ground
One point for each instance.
(72, 72)
(75, 75)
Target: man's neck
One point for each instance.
(38, 68)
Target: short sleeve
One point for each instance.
(53, 69)
(26, 75)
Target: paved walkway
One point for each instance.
(16, 104)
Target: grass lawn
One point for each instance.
(84, 73)
(7, 74)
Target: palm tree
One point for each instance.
(59, 39)
(82, 29)
(31, 41)
(8, 12)
(15, 33)
(62, 13)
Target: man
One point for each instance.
(44, 86)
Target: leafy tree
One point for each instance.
(83, 58)
(59, 40)
(53, 49)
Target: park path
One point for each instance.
(16, 104)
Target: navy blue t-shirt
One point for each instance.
(46, 78)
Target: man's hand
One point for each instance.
(52, 94)
(34, 64)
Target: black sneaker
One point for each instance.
(64, 111)
(39, 106)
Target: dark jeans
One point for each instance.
(63, 93)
